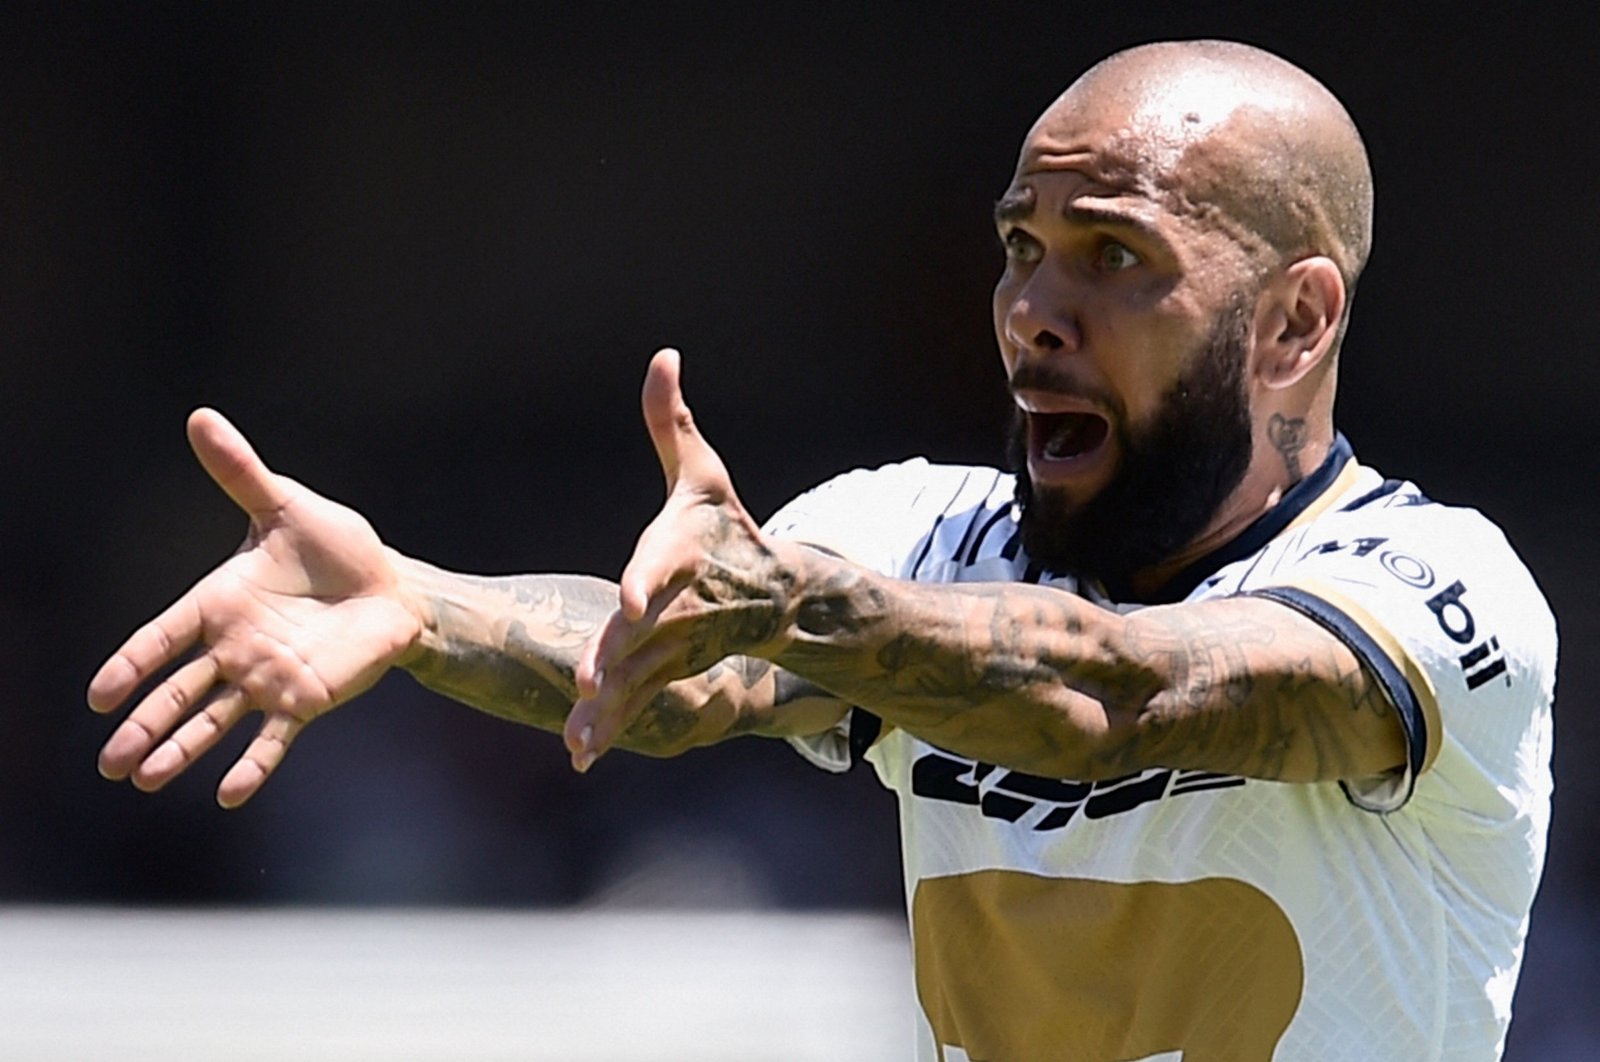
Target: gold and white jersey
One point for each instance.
(1183, 915)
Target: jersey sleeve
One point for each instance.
(1441, 612)
(852, 514)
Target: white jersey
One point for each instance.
(1186, 915)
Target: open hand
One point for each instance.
(306, 615)
(702, 584)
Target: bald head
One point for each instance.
(1181, 236)
(1235, 131)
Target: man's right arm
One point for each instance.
(314, 608)
(508, 645)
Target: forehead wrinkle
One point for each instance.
(1121, 159)
(1118, 191)
(1184, 169)
(1108, 164)
(1172, 140)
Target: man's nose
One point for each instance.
(1039, 318)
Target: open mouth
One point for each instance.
(1067, 436)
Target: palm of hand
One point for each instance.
(305, 616)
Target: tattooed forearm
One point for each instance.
(790, 688)
(1041, 680)
(995, 671)
(1258, 691)
(509, 646)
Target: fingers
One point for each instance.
(158, 713)
(633, 621)
(587, 674)
(129, 753)
(658, 571)
(595, 723)
(277, 683)
(663, 406)
(263, 755)
(681, 449)
(594, 691)
(231, 461)
(578, 734)
(148, 650)
(192, 740)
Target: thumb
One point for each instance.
(682, 450)
(231, 461)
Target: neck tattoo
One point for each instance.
(1288, 437)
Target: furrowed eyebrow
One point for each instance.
(1089, 215)
(1015, 205)
(1019, 204)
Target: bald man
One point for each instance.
(1210, 742)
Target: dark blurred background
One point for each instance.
(421, 256)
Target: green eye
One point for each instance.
(1114, 258)
(1020, 247)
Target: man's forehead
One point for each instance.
(1110, 161)
(1137, 130)
(1118, 168)
(1163, 173)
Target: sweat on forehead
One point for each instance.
(1224, 126)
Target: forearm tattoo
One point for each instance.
(1246, 696)
(509, 646)
(1041, 680)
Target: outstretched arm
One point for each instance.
(1019, 675)
(314, 608)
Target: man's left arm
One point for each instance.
(1040, 680)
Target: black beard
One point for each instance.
(1175, 472)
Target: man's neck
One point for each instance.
(1274, 471)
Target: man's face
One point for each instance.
(1124, 321)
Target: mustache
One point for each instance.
(1053, 379)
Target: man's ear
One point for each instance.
(1297, 321)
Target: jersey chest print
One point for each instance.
(1047, 803)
